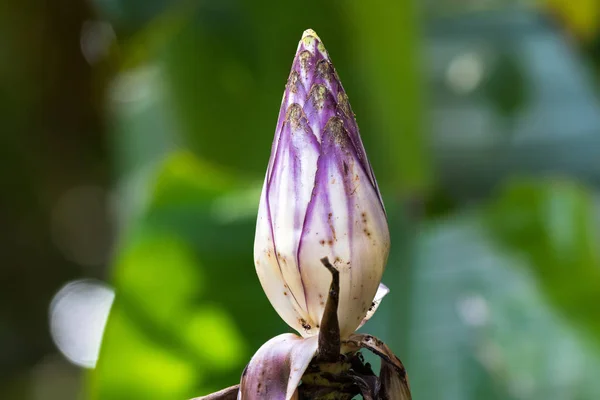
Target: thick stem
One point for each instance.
(329, 332)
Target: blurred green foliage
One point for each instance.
(552, 223)
(482, 326)
(388, 40)
(494, 271)
(178, 320)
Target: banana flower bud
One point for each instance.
(319, 199)
(320, 249)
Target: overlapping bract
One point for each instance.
(319, 199)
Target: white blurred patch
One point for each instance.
(465, 73)
(96, 38)
(82, 225)
(140, 85)
(473, 310)
(78, 315)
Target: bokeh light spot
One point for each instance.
(465, 73)
(473, 310)
(78, 315)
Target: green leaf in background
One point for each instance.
(189, 310)
(553, 224)
(387, 43)
(188, 180)
(481, 327)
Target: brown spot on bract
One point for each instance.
(367, 232)
(304, 57)
(322, 242)
(306, 64)
(330, 242)
(304, 324)
(325, 69)
(335, 129)
(337, 260)
(285, 293)
(317, 94)
(322, 302)
(294, 115)
(331, 226)
(293, 82)
(345, 168)
(343, 103)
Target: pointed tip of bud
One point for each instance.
(310, 32)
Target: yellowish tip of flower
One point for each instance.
(310, 32)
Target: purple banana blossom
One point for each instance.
(319, 199)
(320, 249)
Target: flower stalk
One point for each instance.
(329, 334)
